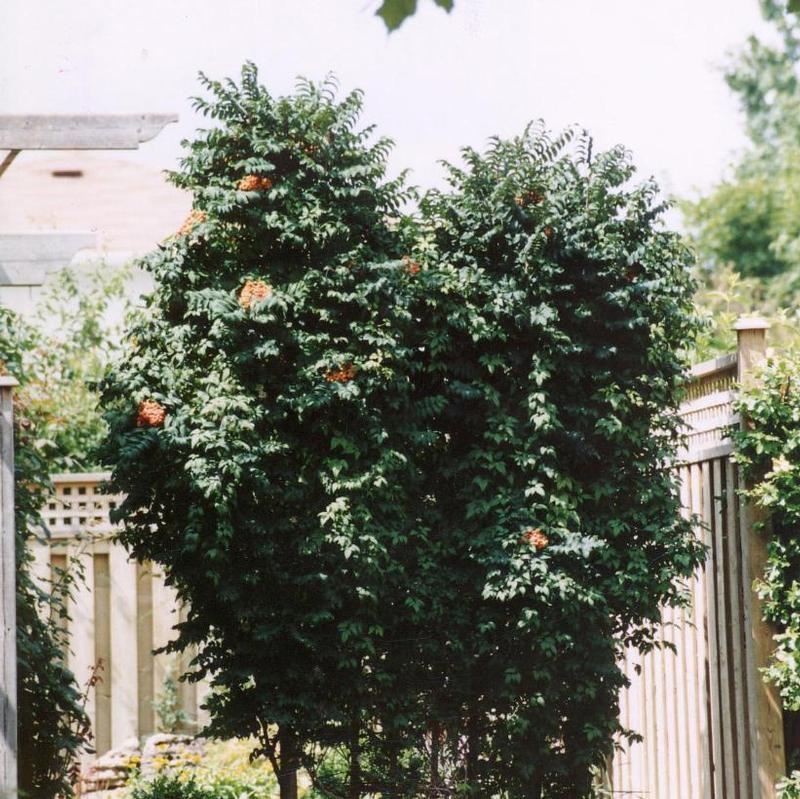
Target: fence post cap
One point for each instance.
(7, 380)
(751, 323)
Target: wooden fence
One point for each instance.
(711, 728)
(120, 613)
(8, 595)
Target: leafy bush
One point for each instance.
(789, 787)
(225, 771)
(408, 472)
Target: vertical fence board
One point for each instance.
(81, 658)
(8, 596)
(702, 678)
(124, 657)
(144, 644)
(737, 683)
(713, 649)
(102, 635)
(723, 634)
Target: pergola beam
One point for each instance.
(27, 258)
(79, 131)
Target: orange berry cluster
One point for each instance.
(252, 291)
(536, 538)
(191, 221)
(532, 197)
(151, 414)
(254, 183)
(343, 375)
(411, 266)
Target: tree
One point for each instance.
(551, 314)
(387, 459)
(263, 372)
(750, 218)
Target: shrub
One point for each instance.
(412, 478)
(226, 770)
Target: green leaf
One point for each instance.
(395, 12)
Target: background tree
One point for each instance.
(748, 221)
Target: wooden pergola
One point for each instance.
(24, 260)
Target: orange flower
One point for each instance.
(252, 291)
(254, 183)
(536, 538)
(191, 221)
(343, 375)
(411, 267)
(151, 414)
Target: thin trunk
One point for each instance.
(394, 771)
(436, 740)
(355, 788)
(289, 764)
(472, 753)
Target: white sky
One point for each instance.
(641, 72)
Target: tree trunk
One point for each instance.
(289, 764)
(436, 741)
(355, 788)
(472, 753)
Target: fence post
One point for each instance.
(767, 743)
(8, 596)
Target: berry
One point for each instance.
(343, 375)
(151, 414)
(254, 183)
(253, 291)
(535, 538)
(191, 221)
(411, 266)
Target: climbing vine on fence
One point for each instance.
(53, 727)
(410, 470)
(768, 449)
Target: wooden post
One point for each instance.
(766, 726)
(8, 597)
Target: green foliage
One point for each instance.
(397, 489)
(552, 311)
(171, 786)
(169, 713)
(767, 449)
(789, 787)
(225, 770)
(750, 219)
(73, 336)
(58, 358)
(52, 725)
(395, 12)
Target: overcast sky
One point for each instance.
(645, 73)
